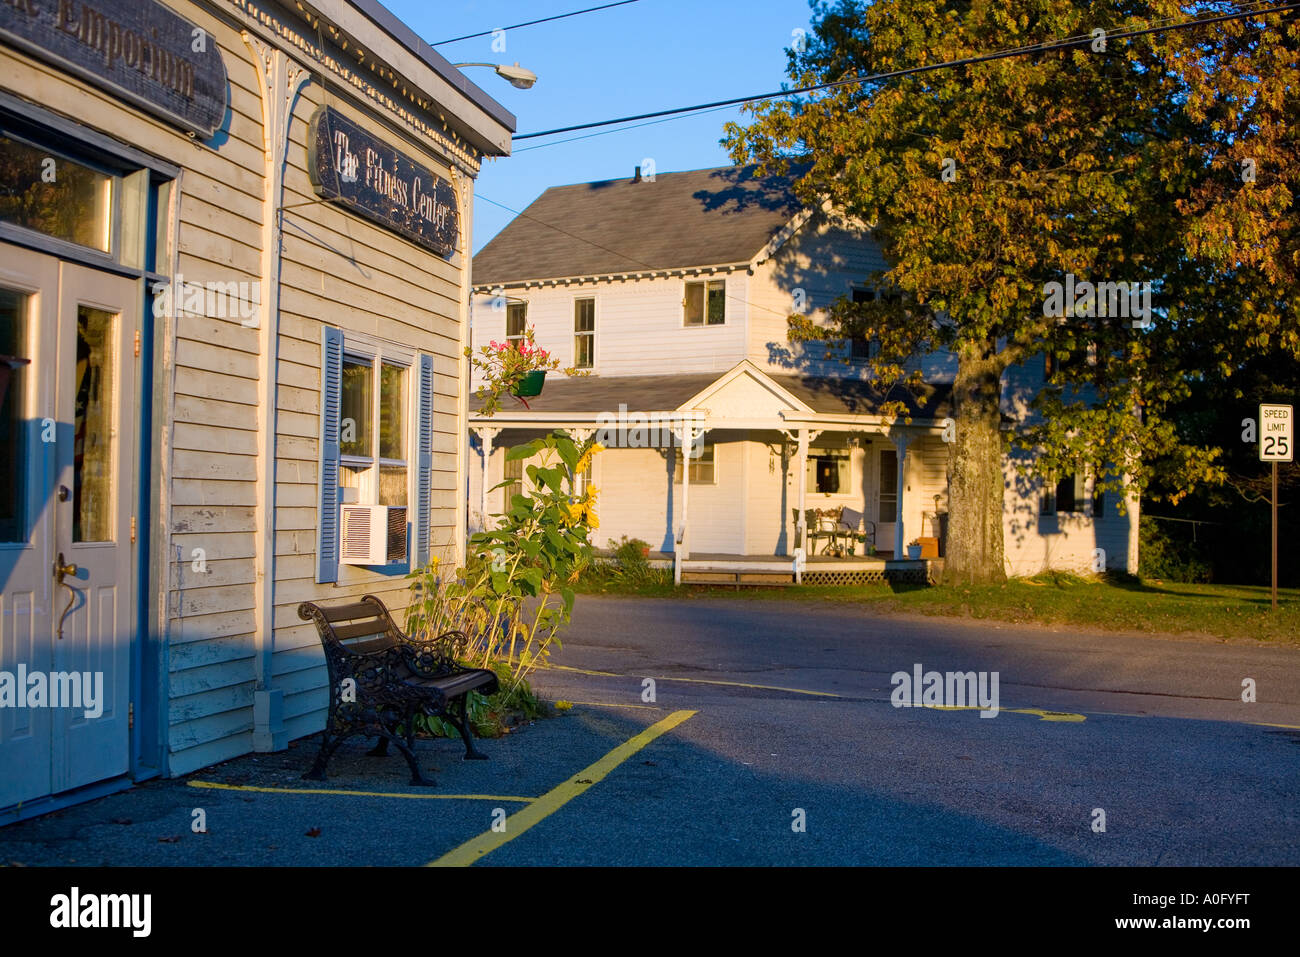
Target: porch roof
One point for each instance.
(583, 397)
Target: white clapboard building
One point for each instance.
(234, 299)
(673, 294)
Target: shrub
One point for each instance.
(1165, 555)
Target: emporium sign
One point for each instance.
(139, 50)
(356, 170)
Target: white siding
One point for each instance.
(639, 329)
(817, 265)
(337, 269)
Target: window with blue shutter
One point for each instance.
(424, 463)
(327, 521)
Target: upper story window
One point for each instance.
(516, 320)
(705, 303)
(584, 333)
(862, 349)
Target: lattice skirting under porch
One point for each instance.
(926, 575)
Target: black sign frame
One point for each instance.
(141, 51)
(349, 166)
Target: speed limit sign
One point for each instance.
(1276, 433)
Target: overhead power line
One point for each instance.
(558, 16)
(911, 71)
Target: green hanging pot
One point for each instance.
(530, 384)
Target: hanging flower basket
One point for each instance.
(529, 384)
(516, 367)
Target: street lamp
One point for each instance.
(518, 76)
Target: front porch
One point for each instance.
(743, 477)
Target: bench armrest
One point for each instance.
(435, 656)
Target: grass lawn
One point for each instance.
(1220, 611)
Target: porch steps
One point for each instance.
(737, 578)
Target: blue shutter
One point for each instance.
(331, 397)
(424, 463)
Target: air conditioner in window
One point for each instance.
(372, 534)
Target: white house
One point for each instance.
(673, 294)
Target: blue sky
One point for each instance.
(645, 56)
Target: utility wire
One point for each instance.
(911, 71)
(587, 136)
(560, 16)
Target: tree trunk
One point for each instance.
(974, 551)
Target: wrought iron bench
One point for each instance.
(380, 680)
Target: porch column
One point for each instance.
(900, 536)
(801, 526)
(582, 436)
(485, 436)
(688, 434)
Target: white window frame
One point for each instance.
(1048, 507)
(873, 344)
(522, 303)
(595, 310)
(696, 460)
(848, 489)
(358, 347)
(704, 315)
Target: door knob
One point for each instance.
(60, 569)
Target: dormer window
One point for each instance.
(705, 303)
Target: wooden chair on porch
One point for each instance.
(818, 528)
(854, 527)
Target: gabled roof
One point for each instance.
(669, 393)
(707, 217)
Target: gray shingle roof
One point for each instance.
(641, 393)
(663, 393)
(703, 217)
(856, 397)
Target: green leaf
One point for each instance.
(527, 451)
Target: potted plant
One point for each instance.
(515, 368)
(914, 549)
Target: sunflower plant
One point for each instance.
(514, 594)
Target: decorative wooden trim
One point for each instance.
(279, 81)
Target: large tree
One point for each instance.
(1117, 160)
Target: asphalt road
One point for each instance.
(767, 714)
(1185, 771)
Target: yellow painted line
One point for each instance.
(560, 795)
(1067, 716)
(1264, 724)
(698, 681)
(608, 704)
(214, 785)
